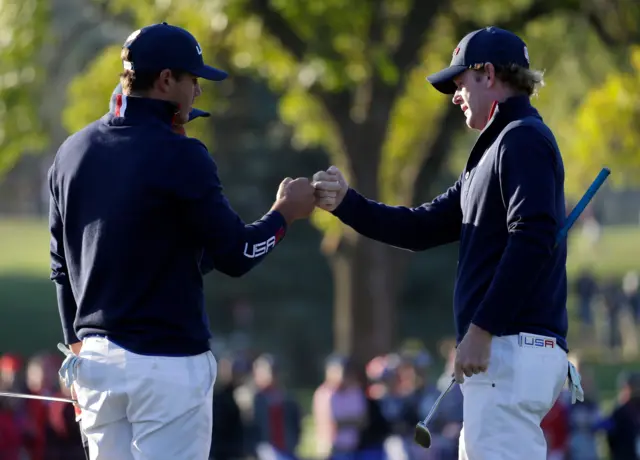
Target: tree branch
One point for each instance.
(517, 21)
(337, 104)
(601, 31)
(375, 26)
(419, 19)
(279, 28)
(382, 95)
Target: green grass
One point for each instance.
(29, 317)
(617, 252)
(24, 248)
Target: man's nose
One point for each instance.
(457, 99)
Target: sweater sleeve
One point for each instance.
(412, 228)
(230, 245)
(67, 306)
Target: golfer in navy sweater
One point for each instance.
(134, 206)
(505, 209)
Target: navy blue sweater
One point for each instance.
(505, 209)
(135, 208)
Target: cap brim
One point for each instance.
(443, 80)
(195, 113)
(210, 73)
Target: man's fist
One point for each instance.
(295, 199)
(473, 353)
(330, 187)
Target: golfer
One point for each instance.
(505, 209)
(134, 206)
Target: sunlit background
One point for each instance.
(314, 83)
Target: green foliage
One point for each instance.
(415, 120)
(24, 30)
(91, 93)
(307, 50)
(606, 128)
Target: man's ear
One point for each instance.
(490, 75)
(164, 79)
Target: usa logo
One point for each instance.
(533, 341)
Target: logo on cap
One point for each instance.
(526, 54)
(198, 49)
(456, 51)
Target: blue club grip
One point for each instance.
(582, 204)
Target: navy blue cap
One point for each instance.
(489, 45)
(195, 113)
(162, 46)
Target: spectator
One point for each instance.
(63, 440)
(613, 303)
(276, 413)
(583, 421)
(10, 430)
(228, 430)
(10, 438)
(244, 396)
(321, 405)
(349, 406)
(623, 426)
(555, 426)
(586, 290)
(375, 429)
(631, 289)
(37, 411)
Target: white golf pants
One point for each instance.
(137, 407)
(503, 407)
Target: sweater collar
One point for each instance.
(138, 108)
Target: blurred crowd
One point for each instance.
(572, 430)
(34, 429)
(369, 413)
(363, 412)
(614, 305)
(359, 412)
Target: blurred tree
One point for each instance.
(607, 128)
(603, 130)
(24, 30)
(351, 75)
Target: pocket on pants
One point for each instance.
(540, 376)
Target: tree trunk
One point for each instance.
(367, 280)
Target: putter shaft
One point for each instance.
(41, 398)
(437, 403)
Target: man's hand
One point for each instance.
(295, 199)
(331, 187)
(75, 349)
(473, 353)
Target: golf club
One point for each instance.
(41, 398)
(422, 435)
